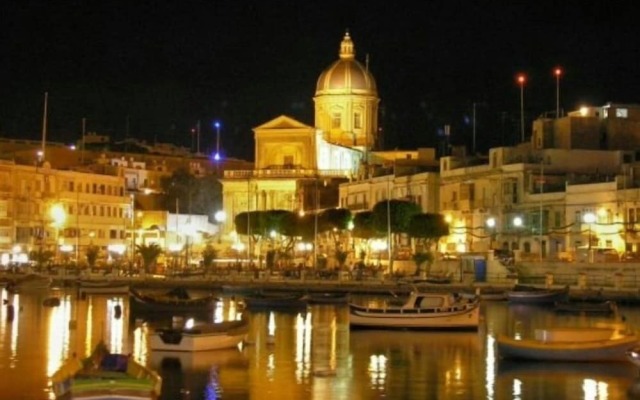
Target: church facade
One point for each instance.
(299, 167)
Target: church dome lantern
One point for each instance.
(346, 75)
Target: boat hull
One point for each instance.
(101, 287)
(588, 351)
(406, 319)
(209, 337)
(327, 298)
(537, 296)
(149, 303)
(110, 376)
(274, 302)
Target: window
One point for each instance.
(357, 121)
(622, 112)
(336, 120)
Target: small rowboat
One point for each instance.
(589, 344)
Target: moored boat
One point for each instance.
(327, 298)
(420, 311)
(608, 307)
(173, 301)
(105, 375)
(30, 282)
(200, 337)
(588, 344)
(277, 301)
(102, 287)
(536, 295)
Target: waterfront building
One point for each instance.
(101, 198)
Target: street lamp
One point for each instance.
(517, 223)
(521, 79)
(216, 124)
(589, 218)
(220, 217)
(59, 216)
(491, 226)
(557, 72)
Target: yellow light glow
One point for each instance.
(58, 215)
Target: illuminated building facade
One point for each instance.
(299, 167)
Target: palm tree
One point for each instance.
(92, 253)
(341, 258)
(149, 254)
(209, 254)
(420, 258)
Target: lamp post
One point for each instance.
(557, 72)
(517, 223)
(521, 79)
(216, 124)
(491, 226)
(59, 216)
(220, 217)
(589, 218)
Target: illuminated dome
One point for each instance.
(346, 75)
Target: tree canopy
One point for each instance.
(394, 215)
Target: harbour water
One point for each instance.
(306, 355)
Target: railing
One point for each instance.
(285, 173)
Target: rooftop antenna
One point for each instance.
(44, 125)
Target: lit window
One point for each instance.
(622, 112)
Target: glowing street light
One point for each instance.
(557, 72)
(59, 216)
(521, 79)
(517, 222)
(589, 218)
(216, 124)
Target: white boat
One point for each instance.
(420, 311)
(201, 337)
(588, 344)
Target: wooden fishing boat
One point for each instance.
(420, 311)
(104, 375)
(102, 287)
(536, 295)
(587, 307)
(588, 344)
(200, 337)
(176, 300)
(27, 283)
(274, 301)
(327, 298)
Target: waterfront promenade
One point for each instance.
(589, 281)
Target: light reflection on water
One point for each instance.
(303, 355)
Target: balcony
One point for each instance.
(292, 173)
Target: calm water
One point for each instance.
(311, 355)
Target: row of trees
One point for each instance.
(388, 217)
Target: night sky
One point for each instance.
(151, 69)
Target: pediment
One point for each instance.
(282, 122)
